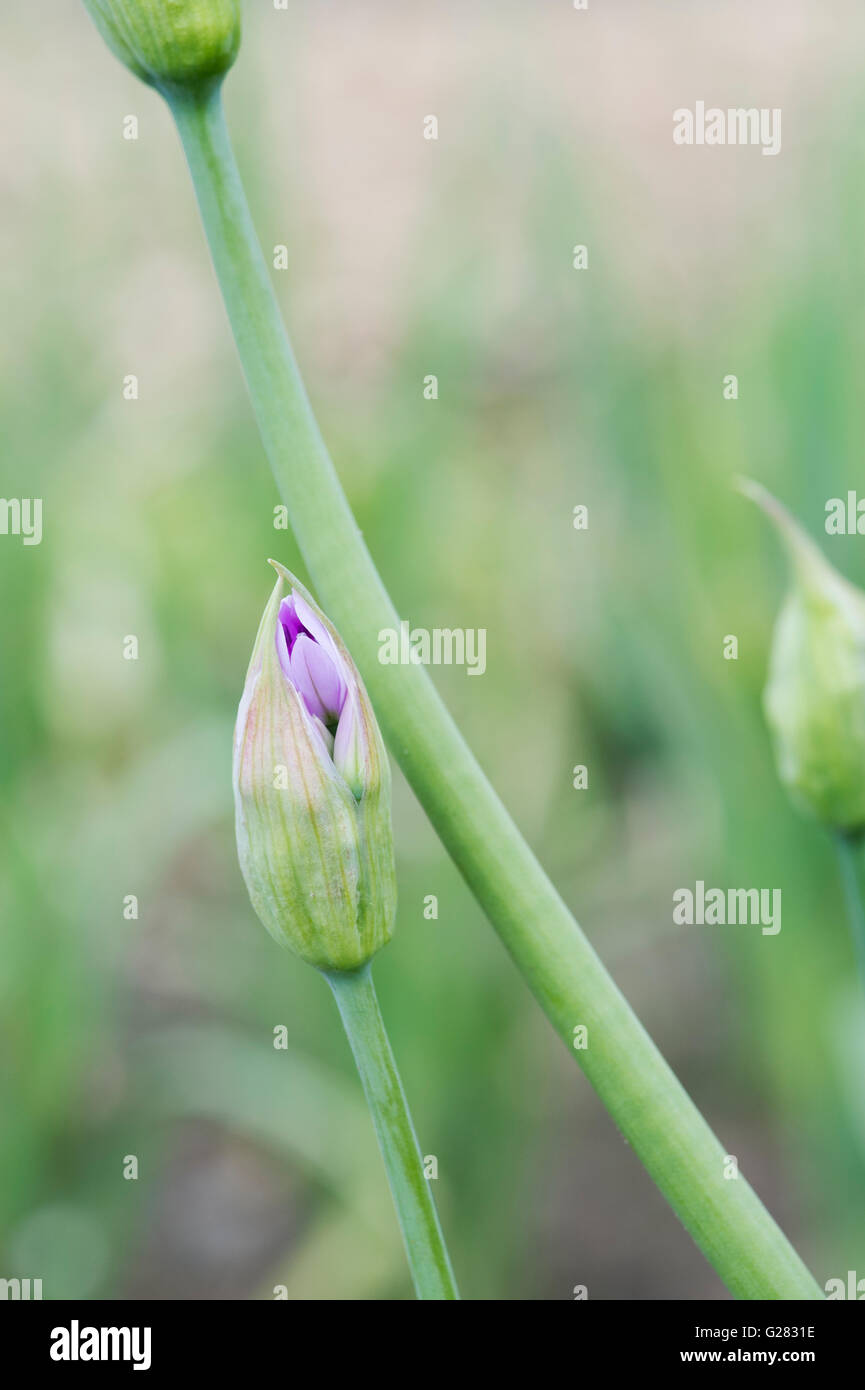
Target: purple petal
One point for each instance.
(311, 623)
(289, 621)
(317, 678)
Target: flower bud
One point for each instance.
(815, 694)
(170, 43)
(312, 790)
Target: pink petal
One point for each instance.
(317, 678)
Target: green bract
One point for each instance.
(170, 43)
(316, 852)
(815, 694)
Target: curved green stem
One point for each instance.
(852, 883)
(725, 1217)
(415, 1208)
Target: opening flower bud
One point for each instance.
(170, 43)
(815, 694)
(312, 790)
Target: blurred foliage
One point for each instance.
(154, 1037)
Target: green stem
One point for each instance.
(847, 857)
(415, 1208)
(656, 1116)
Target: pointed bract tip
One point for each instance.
(804, 553)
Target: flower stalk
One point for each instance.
(726, 1218)
(315, 842)
(848, 848)
(422, 1236)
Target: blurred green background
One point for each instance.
(154, 1037)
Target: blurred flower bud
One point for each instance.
(312, 790)
(815, 695)
(170, 43)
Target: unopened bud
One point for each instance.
(312, 790)
(815, 694)
(170, 43)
